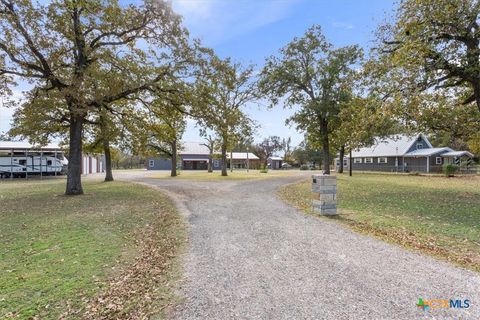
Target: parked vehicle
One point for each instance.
(20, 166)
(286, 165)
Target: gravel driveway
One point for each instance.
(253, 257)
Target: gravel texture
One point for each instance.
(251, 256)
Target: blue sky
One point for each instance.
(251, 30)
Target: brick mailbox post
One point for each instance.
(324, 194)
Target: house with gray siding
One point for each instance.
(402, 153)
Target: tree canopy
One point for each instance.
(64, 47)
(222, 91)
(311, 74)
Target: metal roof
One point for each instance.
(275, 158)
(396, 145)
(427, 152)
(24, 145)
(457, 154)
(194, 148)
(242, 156)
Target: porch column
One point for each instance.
(428, 164)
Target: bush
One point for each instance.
(303, 167)
(450, 169)
(263, 169)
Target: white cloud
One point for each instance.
(216, 21)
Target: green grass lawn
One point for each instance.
(437, 215)
(216, 175)
(59, 253)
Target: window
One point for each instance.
(22, 162)
(438, 160)
(357, 160)
(151, 163)
(382, 160)
(368, 160)
(419, 146)
(216, 163)
(345, 162)
(49, 162)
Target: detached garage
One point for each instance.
(92, 164)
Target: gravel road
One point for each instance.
(253, 257)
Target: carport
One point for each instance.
(26, 153)
(463, 159)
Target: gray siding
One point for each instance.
(416, 164)
(422, 142)
(375, 166)
(411, 165)
(159, 164)
(420, 164)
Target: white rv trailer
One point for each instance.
(20, 165)
(22, 159)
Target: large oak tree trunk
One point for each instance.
(173, 171)
(106, 146)
(74, 171)
(210, 162)
(342, 155)
(224, 159)
(108, 160)
(350, 168)
(325, 145)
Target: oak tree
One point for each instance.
(58, 47)
(223, 89)
(309, 73)
(432, 45)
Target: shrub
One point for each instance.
(449, 169)
(263, 169)
(303, 167)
